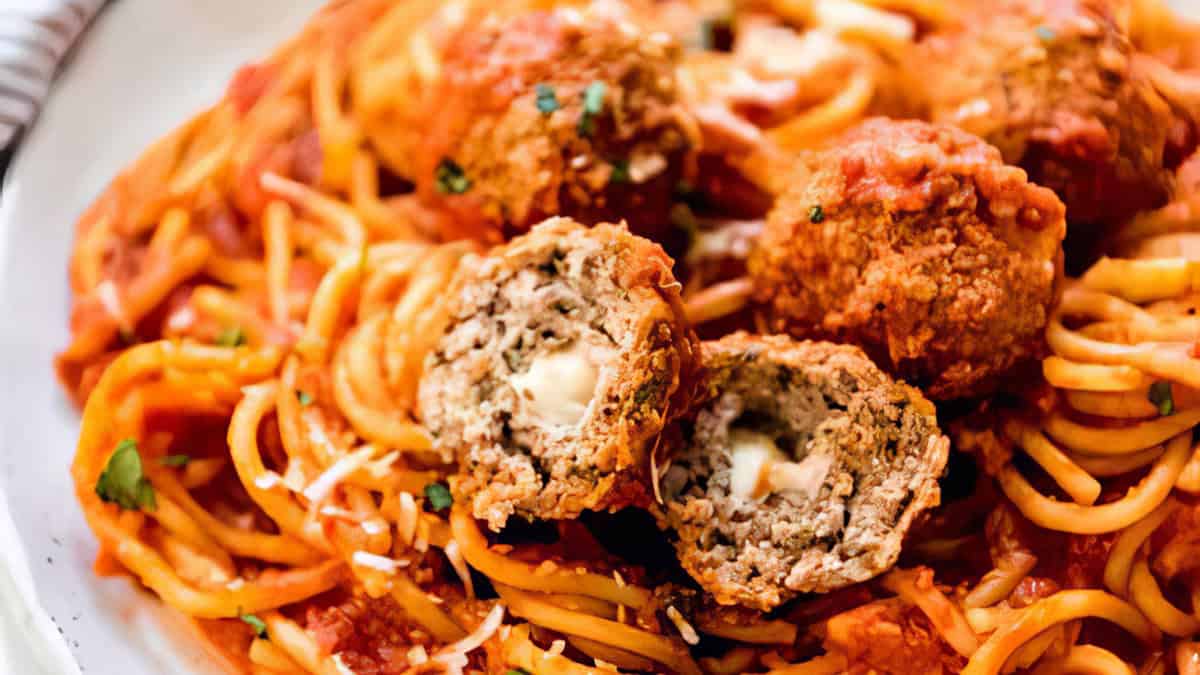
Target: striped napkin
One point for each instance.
(35, 36)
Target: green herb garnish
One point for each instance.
(233, 336)
(593, 104)
(620, 172)
(122, 481)
(1160, 396)
(175, 460)
(547, 100)
(439, 496)
(451, 179)
(1045, 33)
(304, 397)
(516, 671)
(816, 214)
(260, 628)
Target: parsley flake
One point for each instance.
(233, 336)
(175, 460)
(122, 480)
(816, 214)
(593, 104)
(451, 179)
(547, 100)
(1160, 396)
(620, 171)
(439, 496)
(516, 671)
(259, 626)
(304, 397)
(1045, 33)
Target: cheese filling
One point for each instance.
(559, 386)
(759, 468)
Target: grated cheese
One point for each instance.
(460, 567)
(318, 490)
(342, 668)
(556, 648)
(377, 562)
(685, 629)
(267, 480)
(456, 652)
(110, 299)
(417, 655)
(406, 523)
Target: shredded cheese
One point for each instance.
(417, 655)
(460, 567)
(110, 299)
(377, 562)
(406, 523)
(267, 480)
(456, 652)
(342, 668)
(556, 648)
(685, 629)
(318, 490)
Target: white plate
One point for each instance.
(145, 67)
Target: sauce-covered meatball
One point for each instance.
(1054, 85)
(801, 469)
(564, 354)
(917, 243)
(546, 113)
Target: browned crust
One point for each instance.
(612, 460)
(734, 581)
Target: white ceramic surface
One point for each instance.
(145, 67)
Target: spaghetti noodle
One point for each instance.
(255, 298)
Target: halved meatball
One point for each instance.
(800, 470)
(1055, 86)
(564, 112)
(562, 359)
(917, 243)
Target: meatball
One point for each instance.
(801, 468)
(1053, 84)
(564, 354)
(552, 113)
(915, 242)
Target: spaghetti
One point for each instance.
(255, 298)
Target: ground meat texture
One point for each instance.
(1053, 84)
(917, 243)
(562, 359)
(851, 458)
(553, 113)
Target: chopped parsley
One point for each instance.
(816, 214)
(122, 481)
(1045, 33)
(439, 496)
(233, 336)
(684, 219)
(175, 460)
(593, 104)
(516, 671)
(450, 178)
(304, 397)
(547, 100)
(620, 171)
(1160, 396)
(259, 626)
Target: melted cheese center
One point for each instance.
(559, 386)
(759, 468)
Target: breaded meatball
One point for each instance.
(801, 468)
(550, 113)
(1053, 84)
(562, 359)
(917, 243)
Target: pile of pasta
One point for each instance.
(253, 305)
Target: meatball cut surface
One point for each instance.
(563, 357)
(1054, 85)
(801, 469)
(543, 113)
(917, 243)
